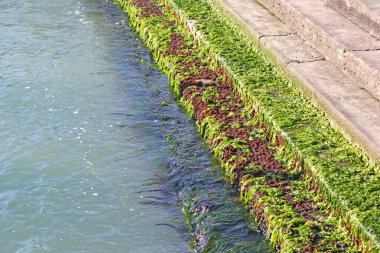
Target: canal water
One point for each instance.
(94, 154)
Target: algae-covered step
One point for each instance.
(294, 171)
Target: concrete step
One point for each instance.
(351, 48)
(365, 13)
(355, 111)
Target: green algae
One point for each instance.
(165, 118)
(278, 104)
(304, 128)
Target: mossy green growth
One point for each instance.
(339, 168)
(284, 112)
(165, 118)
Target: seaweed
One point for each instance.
(295, 172)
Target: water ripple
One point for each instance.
(83, 151)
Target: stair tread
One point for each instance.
(355, 110)
(365, 13)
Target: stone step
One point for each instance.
(339, 40)
(355, 111)
(365, 13)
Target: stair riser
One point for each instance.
(358, 14)
(347, 61)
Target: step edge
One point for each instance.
(332, 50)
(336, 117)
(358, 13)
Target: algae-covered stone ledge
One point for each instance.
(294, 171)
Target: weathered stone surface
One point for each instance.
(273, 33)
(365, 13)
(258, 20)
(349, 105)
(333, 35)
(291, 48)
(313, 20)
(365, 66)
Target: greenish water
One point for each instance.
(84, 162)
